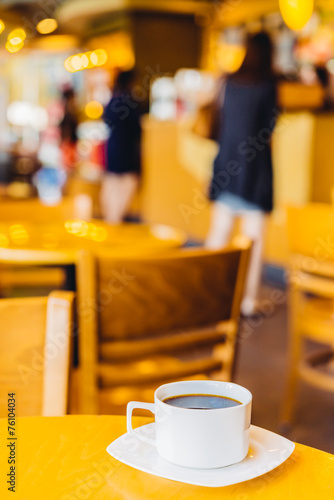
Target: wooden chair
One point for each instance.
(311, 301)
(35, 353)
(148, 320)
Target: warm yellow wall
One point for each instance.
(323, 159)
(171, 193)
(292, 158)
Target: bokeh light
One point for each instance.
(68, 65)
(94, 110)
(47, 26)
(13, 48)
(18, 234)
(101, 56)
(17, 36)
(82, 229)
(98, 233)
(84, 61)
(87, 60)
(76, 63)
(15, 40)
(77, 227)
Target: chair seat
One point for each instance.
(317, 320)
(115, 351)
(149, 371)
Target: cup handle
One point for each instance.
(141, 406)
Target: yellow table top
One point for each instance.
(59, 242)
(65, 458)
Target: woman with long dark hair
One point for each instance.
(242, 181)
(123, 157)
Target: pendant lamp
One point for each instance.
(296, 13)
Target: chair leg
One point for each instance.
(286, 416)
(225, 353)
(73, 397)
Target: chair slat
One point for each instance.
(158, 370)
(176, 342)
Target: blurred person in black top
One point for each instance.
(242, 181)
(68, 129)
(324, 80)
(123, 162)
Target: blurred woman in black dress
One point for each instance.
(68, 130)
(242, 181)
(123, 163)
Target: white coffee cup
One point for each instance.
(198, 438)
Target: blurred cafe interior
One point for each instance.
(108, 285)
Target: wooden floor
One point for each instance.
(261, 367)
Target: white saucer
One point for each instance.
(267, 451)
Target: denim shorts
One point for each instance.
(237, 204)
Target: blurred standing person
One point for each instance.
(325, 82)
(242, 181)
(123, 162)
(68, 130)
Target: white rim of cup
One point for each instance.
(193, 382)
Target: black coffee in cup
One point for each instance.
(201, 401)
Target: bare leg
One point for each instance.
(116, 196)
(222, 220)
(253, 226)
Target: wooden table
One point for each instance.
(65, 458)
(57, 243)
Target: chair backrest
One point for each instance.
(186, 289)
(35, 353)
(122, 300)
